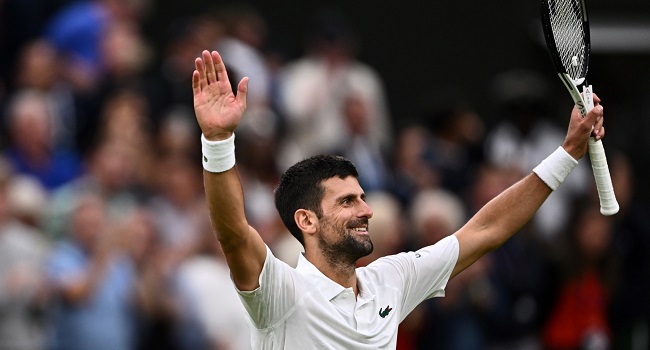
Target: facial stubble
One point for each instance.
(349, 247)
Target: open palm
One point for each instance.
(218, 110)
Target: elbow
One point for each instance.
(231, 238)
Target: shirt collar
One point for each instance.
(329, 288)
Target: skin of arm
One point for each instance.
(504, 215)
(80, 289)
(218, 112)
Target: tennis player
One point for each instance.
(326, 302)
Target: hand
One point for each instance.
(581, 128)
(218, 110)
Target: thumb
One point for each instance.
(242, 91)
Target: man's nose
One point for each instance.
(366, 211)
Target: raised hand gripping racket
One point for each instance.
(566, 29)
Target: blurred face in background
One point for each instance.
(88, 221)
(594, 235)
(30, 125)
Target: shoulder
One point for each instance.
(440, 255)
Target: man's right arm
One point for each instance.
(243, 247)
(218, 112)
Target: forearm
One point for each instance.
(225, 200)
(82, 288)
(500, 219)
(243, 247)
(508, 212)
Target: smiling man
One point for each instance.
(326, 302)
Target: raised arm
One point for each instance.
(218, 112)
(504, 215)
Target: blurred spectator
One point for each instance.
(435, 214)
(184, 40)
(39, 69)
(20, 22)
(92, 281)
(110, 174)
(242, 46)
(177, 134)
(156, 302)
(23, 251)
(525, 134)
(410, 168)
(457, 136)
(361, 148)
(453, 322)
(77, 31)
(517, 284)
(629, 311)
(578, 318)
(259, 173)
(124, 120)
(175, 205)
(209, 296)
(314, 89)
(32, 149)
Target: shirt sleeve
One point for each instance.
(277, 294)
(63, 268)
(422, 274)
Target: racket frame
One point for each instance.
(584, 103)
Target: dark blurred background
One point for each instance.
(418, 46)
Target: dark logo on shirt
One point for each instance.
(383, 313)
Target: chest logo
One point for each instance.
(384, 312)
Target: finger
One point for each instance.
(200, 68)
(600, 134)
(598, 125)
(594, 115)
(209, 67)
(196, 87)
(596, 98)
(222, 75)
(242, 91)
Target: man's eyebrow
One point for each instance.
(351, 195)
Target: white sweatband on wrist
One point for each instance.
(555, 168)
(218, 156)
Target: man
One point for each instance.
(92, 282)
(326, 302)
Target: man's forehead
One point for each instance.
(336, 186)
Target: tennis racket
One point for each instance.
(566, 30)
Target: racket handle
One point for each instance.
(608, 203)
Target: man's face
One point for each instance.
(344, 235)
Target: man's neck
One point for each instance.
(340, 272)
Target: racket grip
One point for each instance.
(608, 203)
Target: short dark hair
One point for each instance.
(300, 187)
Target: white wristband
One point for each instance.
(555, 168)
(218, 156)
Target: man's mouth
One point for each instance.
(359, 227)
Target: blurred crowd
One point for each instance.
(105, 241)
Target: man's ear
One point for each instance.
(306, 220)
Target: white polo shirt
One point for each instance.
(303, 309)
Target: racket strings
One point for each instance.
(569, 35)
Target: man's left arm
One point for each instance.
(504, 215)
